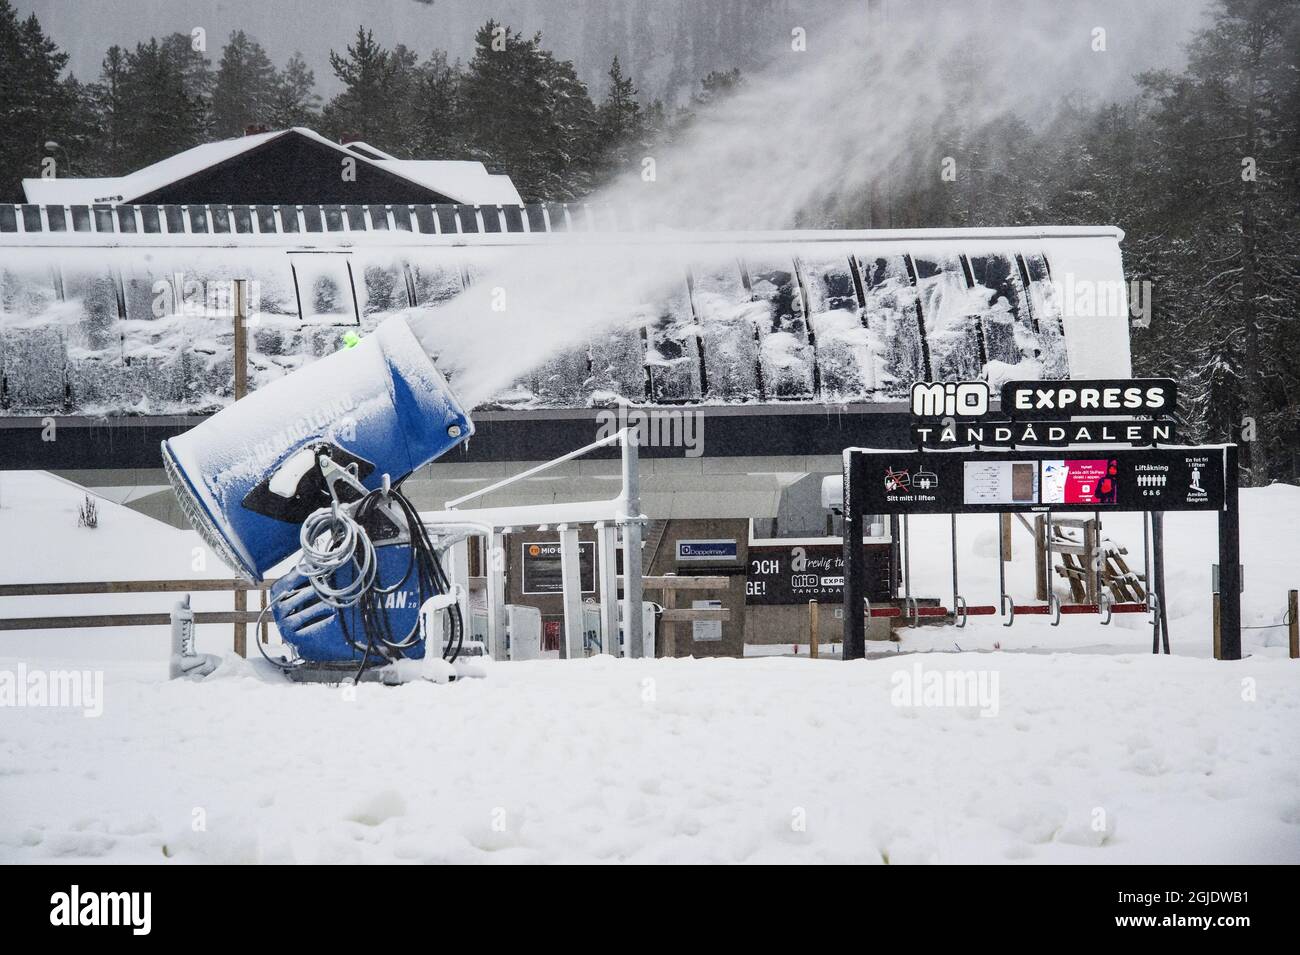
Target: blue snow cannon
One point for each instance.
(247, 477)
(323, 634)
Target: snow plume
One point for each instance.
(852, 109)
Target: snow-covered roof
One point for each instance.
(457, 178)
(464, 182)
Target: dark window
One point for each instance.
(150, 219)
(58, 223)
(265, 218)
(243, 216)
(220, 219)
(559, 215)
(447, 224)
(175, 219)
(536, 217)
(468, 221)
(198, 219)
(8, 218)
(425, 219)
(81, 219)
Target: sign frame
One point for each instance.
(862, 468)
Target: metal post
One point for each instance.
(459, 554)
(1040, 536)
(1003, 541)
(494, 567)
(1048, 583)
(631, 522)
(1218, 626)
(607, 570)
(1293, 624)
(895, 554)
(954, 565)
(1160, 636)
(1229, 560)
(571, 577)
(907, 559)
(855, 624)
(1146, 554)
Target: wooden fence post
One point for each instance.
(670, 630)
(812, 628)
(1041, 581)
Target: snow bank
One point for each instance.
(1093, 750)
(1090, 759)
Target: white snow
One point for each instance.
(1098, 752)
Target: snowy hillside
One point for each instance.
(1099, 753)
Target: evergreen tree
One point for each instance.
(620, 123)
(435, 109)
(112, 116)
(294, 100)
(36, 103)
(245, 87)
(370, 76)
(1228, 170)
(527, 113)
(162, 108)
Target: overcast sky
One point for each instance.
(1141, 33)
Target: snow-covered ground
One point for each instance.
(1076, 745)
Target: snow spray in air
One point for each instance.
(866, 105)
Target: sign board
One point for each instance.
(707, 551)
(1065, 399)
(955, 433)
(1046, 479)
(1214, 578)
(1089, 478)
(541, 567)
(706, 631)
(795, 574)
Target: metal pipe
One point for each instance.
(616, 438)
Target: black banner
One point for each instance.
(1089, 398)
(943, 482)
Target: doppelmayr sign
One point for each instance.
(1044, 412)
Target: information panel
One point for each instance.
(795, 574)
(942, 482)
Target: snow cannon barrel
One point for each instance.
(248, 476)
